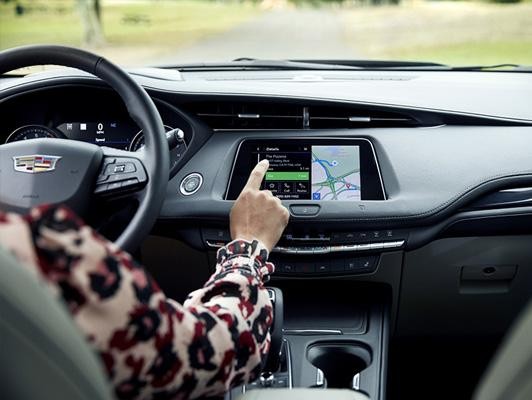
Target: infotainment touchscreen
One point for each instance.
(312, 172)
(311, 169)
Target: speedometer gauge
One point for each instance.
(138, 140)
(31, 132)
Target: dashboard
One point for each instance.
(340, 167)
(417, 180)
(394, 155)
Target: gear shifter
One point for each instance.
(276, 371)
(273, 361)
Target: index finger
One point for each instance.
(257, 175)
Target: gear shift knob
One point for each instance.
(273, 360)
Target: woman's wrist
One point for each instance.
(241, 253)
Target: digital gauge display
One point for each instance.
(103, 133)
(31, 132)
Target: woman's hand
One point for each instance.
(257, 214)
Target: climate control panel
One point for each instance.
(324, 253)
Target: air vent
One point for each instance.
(272, 116)
(327, 117)
(234, 116)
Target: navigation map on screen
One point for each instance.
(335, 173)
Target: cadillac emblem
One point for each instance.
(35, 163)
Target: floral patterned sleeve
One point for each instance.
(151, 346)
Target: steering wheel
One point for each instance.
(39, 171)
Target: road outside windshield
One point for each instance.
(155, 32)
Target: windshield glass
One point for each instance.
(172, 32)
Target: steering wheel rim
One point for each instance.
(141, 109)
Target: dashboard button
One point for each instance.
(367, 264)
(388, 234)
(323, 267)
(190, 184)
(287, 268)
(363, 236)
(305, 267)
(305, 210)
(376, 235)
(351, 265)
(349, 237)
(360, 264)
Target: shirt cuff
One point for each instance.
(242, 253)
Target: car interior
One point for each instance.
(414, 284)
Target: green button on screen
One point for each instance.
(287, 176)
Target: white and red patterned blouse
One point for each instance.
(151, 346)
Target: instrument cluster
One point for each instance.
(121, 135)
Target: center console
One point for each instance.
(334, 337)
(335, 331)
(305, 173)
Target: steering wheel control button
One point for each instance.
(305, 210)
(120, 168)
(121, 174)
(114, 186)
(130, 182)
(190, 184)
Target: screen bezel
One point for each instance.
(372, 187)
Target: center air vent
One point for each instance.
(234, 116)
(271, 116)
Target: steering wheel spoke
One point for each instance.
(121, 173)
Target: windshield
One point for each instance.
(173, 32)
